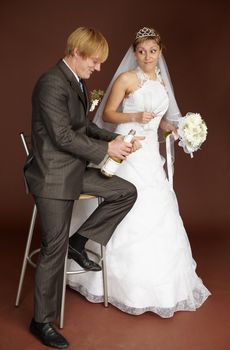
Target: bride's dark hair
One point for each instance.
(147, 34)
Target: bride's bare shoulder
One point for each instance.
(131, 74)
(127, 78)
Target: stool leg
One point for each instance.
(27, 250)
(104, 268)
(61, 324)
(104, 275)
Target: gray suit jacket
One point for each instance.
(63, 137)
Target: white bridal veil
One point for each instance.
(129, 62)
(172, 115)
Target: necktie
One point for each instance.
(81, 85)
(82, 89)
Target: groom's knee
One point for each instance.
(130, 192)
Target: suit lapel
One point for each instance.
(74, 84)
(86, 96)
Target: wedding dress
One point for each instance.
(149, 260)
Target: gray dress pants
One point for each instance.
(55, 216)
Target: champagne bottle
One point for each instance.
(111, 164)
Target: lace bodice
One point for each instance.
(151, 96)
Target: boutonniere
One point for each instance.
(95, 97)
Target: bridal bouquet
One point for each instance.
(192, 132)
(94, 98)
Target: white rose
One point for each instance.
(94, 104)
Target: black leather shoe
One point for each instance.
(48, 335)
(82, 259)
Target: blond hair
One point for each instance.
(88, 41)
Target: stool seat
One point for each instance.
(86, 196)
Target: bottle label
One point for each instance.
(110, 167)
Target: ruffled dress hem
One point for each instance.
(199, 295)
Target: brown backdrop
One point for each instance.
(196, 35)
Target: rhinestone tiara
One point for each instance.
(143, 32)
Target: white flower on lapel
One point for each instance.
(94, 98)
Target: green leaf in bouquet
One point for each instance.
(166, 133)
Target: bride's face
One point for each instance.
(147, 54)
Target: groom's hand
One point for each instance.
(120, 149)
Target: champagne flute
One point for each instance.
(148, 107)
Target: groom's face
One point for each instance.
(85, 66)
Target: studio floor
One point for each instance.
(93, 327)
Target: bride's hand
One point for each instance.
(136, 143)
(144, 117)
(166, 126)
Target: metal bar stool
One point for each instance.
(28, 255)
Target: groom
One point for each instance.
(64, 140)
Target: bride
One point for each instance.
(149, 260)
